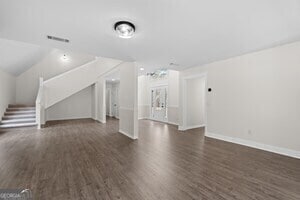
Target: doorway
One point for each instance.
(108, 101)
(159, 105)
(194, 102)
(112, 86)
(115, 100)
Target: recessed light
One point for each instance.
(113, 79)
(142, 69)
(64, 58)
(174, 64)
(124, 29)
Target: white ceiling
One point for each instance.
(17, 57)
(187, 33)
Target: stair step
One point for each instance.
(11, 121)
(19, 105)
(17, 125)
(18, 116)
(20, 109)
(20, 112)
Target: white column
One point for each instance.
(128, 100)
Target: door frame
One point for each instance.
(184, 100)
(167, 101)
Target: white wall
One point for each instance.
(255, 97)
(195, 92)
(173, 96)
(143, 97)
(50, 66)
(7, 91)
(77, 106)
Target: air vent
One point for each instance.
(57, 39)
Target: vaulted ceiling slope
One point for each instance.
(17, 57)
(187, 33)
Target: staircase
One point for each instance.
(66, 84)
(18, 116)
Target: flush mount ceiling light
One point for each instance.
(142, 69)
(124, 29)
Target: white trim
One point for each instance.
(126, 134)
(248, 143)
(168, 122)
(102, 121)
(172, 123)
(182, 128)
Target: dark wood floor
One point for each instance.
(87, 160)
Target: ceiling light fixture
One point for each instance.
(112, 79)
(142, 69)
(124, 29)
(64, 58)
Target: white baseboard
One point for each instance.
(172, 123)
(128, 135)
(169, 122)
(182, 128)
(102, 121)
(249, 143)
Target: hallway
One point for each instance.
(83, 159)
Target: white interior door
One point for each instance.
(159, 107)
